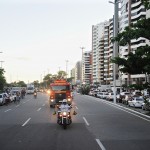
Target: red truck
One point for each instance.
(59, 90)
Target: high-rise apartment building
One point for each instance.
(78, 72)
(131, 12)
(87, 67)
(97, 34)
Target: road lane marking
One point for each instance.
(39, 109)
(17, 105)
(76, 107)
(100, 144)
(8, 110)
(86, 121)
(26, 122)
(24, 102)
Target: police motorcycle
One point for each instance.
(64, 114)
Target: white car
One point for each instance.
(136, 102)
(2, 99)
(102, 95)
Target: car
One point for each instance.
(99, 94)
(95, 93)
(122, 96)
(136, 101)
(91, 93)
(11, 97)
(2, 99)
(146, 106)
(110, 97)
(102, 95)
(127, 98)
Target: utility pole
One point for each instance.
(1, 63)
(66, 68)
(115, 44)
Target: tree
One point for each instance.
(146, 3)
(21, 84)
(61, 74)
(2, 79)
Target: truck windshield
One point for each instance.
(60, 88)
(30, 88)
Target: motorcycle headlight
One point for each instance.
(64, 113)
(52, 100)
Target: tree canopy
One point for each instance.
(2, 79)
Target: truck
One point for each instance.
(59, 90)
(30, 88)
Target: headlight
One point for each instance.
(69, 99)
(64, 113)
(52, 100)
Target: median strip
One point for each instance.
(26, 122)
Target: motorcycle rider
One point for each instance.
(35, 93)
(62, 107)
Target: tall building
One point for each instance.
(78, 72)
(87, 67)
(102, 70)
(97, 34)
(131, 12)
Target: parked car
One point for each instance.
(110, 97)
(136, 101)
(122, 97)
(146, 106)
(127, 98)
(2, 99)
(7, 98)
(91, 93)
(100, 94)
(11, 97)
(95, 92)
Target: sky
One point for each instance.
(38, 37)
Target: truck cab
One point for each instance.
(60, 90)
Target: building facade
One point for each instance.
(87, 67)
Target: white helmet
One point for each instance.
(64, 101)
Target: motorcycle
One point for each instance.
(64, 118)
(35, 95)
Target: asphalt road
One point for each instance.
(98, 125)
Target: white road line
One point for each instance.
(24, 102)
(127, 110)
(76, 107)
(26, 122)
(86, 121)
(8, 110)
(39, 109)
(17, 105)
(100, 144)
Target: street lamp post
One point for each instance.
(1, 63)
(66, 68)
(115, 44)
